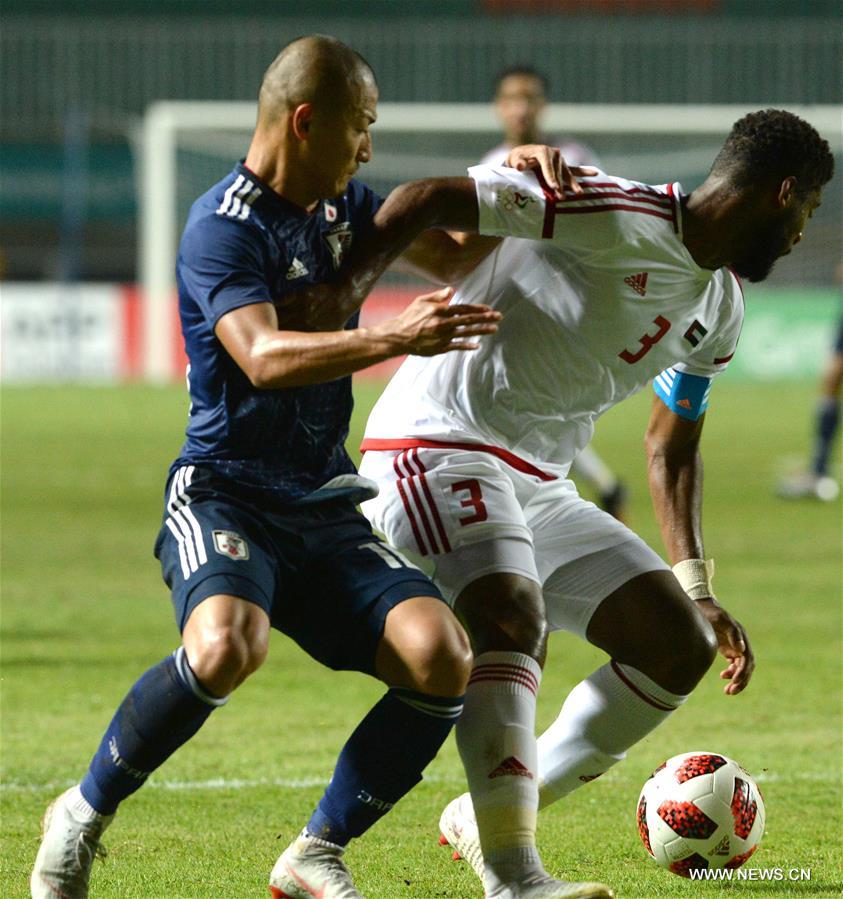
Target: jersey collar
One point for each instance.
(269, 201)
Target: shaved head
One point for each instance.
(316, 69)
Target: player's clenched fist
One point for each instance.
(429, 326)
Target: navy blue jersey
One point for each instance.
(244, 244)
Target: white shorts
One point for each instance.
(461, 514)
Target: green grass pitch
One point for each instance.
(85, 612)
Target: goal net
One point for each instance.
(185, 147)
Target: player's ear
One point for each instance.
(300, 120)
(787, 191)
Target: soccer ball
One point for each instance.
(700, 810)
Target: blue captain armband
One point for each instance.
(684, 394)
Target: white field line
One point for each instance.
(216, 783)
(298, 783)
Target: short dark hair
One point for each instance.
(774, 144)
(528, 71)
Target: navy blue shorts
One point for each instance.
(317, 570)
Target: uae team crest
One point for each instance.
(511, 198)
(227, 543)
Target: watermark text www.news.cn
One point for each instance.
(773, 874)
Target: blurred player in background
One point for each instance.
(818, 483)
(520, 100)
(617, 286)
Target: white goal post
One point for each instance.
(167, 124)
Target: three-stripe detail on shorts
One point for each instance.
(414, 490)
(183, 524)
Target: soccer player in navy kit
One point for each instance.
(260, 526)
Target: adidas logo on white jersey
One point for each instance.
(638, 283)
(297, 269)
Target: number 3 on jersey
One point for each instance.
(648, 341)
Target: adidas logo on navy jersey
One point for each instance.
(638, 283)
(297, 269)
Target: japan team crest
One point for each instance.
(338, 239)
(232, 545)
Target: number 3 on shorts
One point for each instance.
(474, 500)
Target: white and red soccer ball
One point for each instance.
(700, 810)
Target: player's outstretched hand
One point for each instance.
(429, 326)
(733, 644)
(557, 174)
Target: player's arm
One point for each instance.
(675, 474)
(407, 212)
(445, 257)
(407, 215)
(273, 358)
(411, 209)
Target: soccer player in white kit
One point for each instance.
(520, 101)
(617, 286)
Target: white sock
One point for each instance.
(81, 809)
(611, 710)
(497, 744)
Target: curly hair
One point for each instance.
(775, 144)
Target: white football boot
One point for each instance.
(543, 886)
(458, 828)
(70, 840)
(807, 485)
(310, 867)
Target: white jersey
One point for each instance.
(601, 298)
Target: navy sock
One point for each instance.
(162, 711)
(828, 419)
(382, 760)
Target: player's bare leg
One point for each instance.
(225, 640)
(424, 658)
(660, 646)
(504, 614)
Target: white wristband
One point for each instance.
(695, 576)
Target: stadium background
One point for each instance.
(76, 78)
(82, 462)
